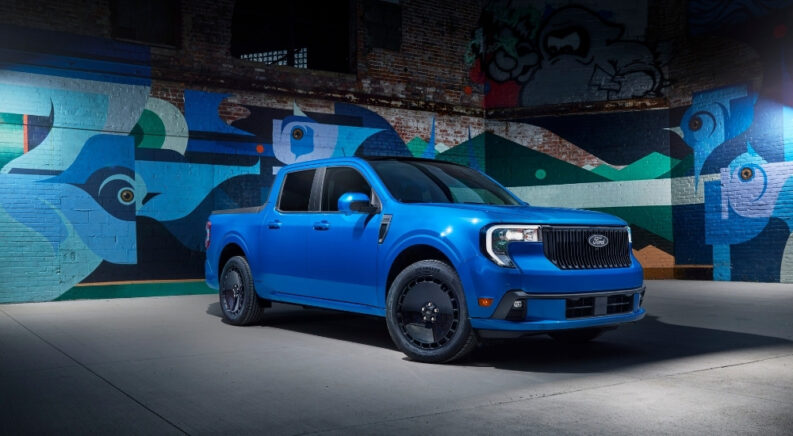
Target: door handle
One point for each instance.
(321, 225)
(274, 224)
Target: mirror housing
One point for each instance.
(359, 202)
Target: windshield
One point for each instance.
(414, 181)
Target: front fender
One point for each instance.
(443, 244)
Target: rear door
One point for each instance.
(342, 248)
(285, 233)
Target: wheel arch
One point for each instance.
(417, 249)
(230, 250)
(411, 255)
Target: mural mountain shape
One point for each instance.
(652, 166)
(513, 164)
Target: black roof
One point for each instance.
(407, 159)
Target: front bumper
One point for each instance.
(539, 313)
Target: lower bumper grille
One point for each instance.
(584, 307)
(619, 304)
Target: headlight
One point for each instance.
(498, 237)
(630, 237)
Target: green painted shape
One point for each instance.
(652, 166)
(8, 118)
(464, 152)
(135, 290)
(12, 141)
(149, 132)
(654, 219)
(515, 165)
(417, 146)
(683, 168)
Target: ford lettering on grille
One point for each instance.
(598, 241)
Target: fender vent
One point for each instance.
(384, 225)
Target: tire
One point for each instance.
(578, 336)
(426, 313)
(238, 299)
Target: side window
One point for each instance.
(339, 180)
(296, 193)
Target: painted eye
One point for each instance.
(126, 196)
(747, 173)
(297, 133)
(695, 123)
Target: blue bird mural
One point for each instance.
(298, 138)
(715, 116)
(171, 190)
(69, 223)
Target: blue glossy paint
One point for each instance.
(334, 260)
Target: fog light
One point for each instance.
(517, 312)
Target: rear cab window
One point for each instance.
(296, 192)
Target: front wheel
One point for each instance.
(238, 299)
(426, 313)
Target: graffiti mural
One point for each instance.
(101, 181)
(530, 54)
(742, 138)
(68, 167)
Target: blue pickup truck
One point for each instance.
(442, 251)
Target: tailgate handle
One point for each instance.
(321, 225)
(274, 224)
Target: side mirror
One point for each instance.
(351, 202)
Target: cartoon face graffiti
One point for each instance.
(564, 54)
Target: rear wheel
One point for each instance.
(426, 313)
(238, 299)
(578, 336)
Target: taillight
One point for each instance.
(209, 234)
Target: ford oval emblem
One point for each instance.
(598, 241)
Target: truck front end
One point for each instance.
(542, 278)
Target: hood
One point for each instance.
(532, 215)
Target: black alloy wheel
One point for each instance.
(238, 300)
(426, 313)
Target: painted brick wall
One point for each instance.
(670, 114)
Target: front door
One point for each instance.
(342, 247)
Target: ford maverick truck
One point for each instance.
(443, 252)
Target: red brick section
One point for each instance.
(429, 72)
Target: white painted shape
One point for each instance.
(656, 192)
(176, 131)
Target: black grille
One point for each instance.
(600, 305)
(620, 304)
(580, 307)
(568, 247)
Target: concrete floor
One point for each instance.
(710, 358)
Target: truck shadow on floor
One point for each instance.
(647, 341)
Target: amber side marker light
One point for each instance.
(485, 302)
